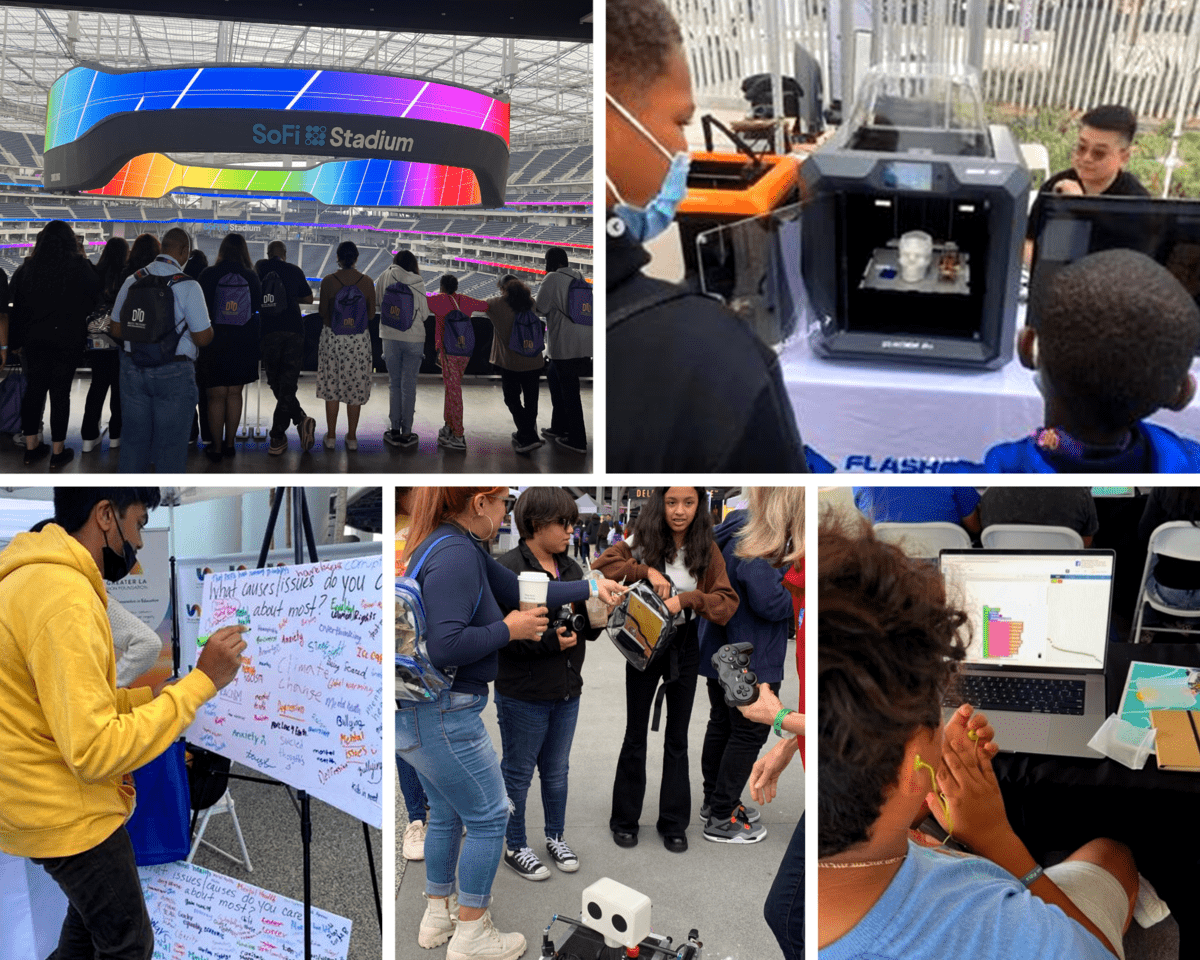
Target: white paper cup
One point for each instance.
(533, 587)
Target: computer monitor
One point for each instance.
(1068, 228)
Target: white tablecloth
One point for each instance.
(888, 418)
(32, 908)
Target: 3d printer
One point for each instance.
(912, 230)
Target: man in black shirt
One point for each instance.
(283, 343)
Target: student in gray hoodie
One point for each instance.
(570, 346)
(402, 349)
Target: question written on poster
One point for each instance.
(200, 915)
(307, 706)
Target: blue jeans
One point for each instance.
(784, 909)
(536, 733)
(157, 406)
(415, 800)
(403, 360)
(450, 749)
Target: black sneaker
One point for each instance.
(526, 864)
(566, 445)
(392, 437)
(562, 855)
(409, 440)
(550, 434)
(62, 459)
(525, 446)
(37, 453)
(736, 829)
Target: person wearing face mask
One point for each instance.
(702, 390)
(69, 737)
(464, 592)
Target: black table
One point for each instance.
(1060, 803)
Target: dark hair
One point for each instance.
(347, 253)
(540, 507)
(1180, 503)
(448, 283)
(518, 296)
(656, 543)
(1117, 336)
(233, 248)
(73, 505)
(142, 253)
(276, 250)
(56, 249)
(177, 239)
(200, 257)
(111, 264)
(887, 648)
(1112, 117)
(407, 260)
(556, 257)
(505, 280)
(641, 36)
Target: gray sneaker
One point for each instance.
(452, 442)
(737, 829)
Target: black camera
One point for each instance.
(574, 622)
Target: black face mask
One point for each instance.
(117, 565)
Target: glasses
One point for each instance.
(1098, 154)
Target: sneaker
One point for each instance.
(278, 447)
(562, 855)
(526, 863)
(414, 840)
(351, 442)
(437, 925)
(550, 434)
(480, 940)
(562, 442)
(37, 453)
(330, 442)
(393, 437)
(453, 442)
(308, 433)
(409, 440)
(737, 829)
(525, 446)
(113, 442)
(443, 432)
(90, 445)
(62, 459)
(752, 813)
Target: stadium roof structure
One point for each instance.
(549, 81)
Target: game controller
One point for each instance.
(740, 683)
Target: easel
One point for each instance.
(300, 521)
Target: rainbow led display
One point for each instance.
(371, 183)
(84, 96)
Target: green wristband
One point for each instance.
(1031, 876)
(778, 724)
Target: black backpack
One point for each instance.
(274, 296)
(148, 321)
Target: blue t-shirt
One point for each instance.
(916, 504)
(947, 906)
(1152, 449)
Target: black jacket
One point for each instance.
(538, 669)
(689, 385)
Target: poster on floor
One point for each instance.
(307, 707)
(198, 913)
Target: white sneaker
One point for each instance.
(480, 940)
(414, 840)
(90, 445)
(437, 925)
(330, 441)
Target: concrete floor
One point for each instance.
(341, 879)
(717, 888)
(488, 432)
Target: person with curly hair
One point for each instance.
(889, 643)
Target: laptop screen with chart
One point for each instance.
(1033, 609)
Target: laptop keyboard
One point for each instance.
(1017, 694)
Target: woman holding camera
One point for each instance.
(539, 683)
(672, 546)
(463, 589)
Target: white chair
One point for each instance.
(1179, 539)
(1037, 157)
(1029, 536)
(924, 540)
(224, 805)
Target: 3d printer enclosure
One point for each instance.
(846, 186)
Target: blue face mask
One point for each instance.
(646, 223)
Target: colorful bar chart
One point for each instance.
(1001, 636)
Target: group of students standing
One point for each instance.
(210, 335)
(741, 582)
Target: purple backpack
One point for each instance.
(233, 301)
(579, 302)
(528, 336)
(349, 313)
(458, 337)
(397, 309)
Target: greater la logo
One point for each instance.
(193, 611)
(201, 572)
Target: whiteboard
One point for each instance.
(307, 706)
(199, 914)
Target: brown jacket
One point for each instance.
(714, 599)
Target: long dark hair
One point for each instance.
(233, 248)
(53, 254)
(518, 296)
(112, 263)
(145, 248)
(1181, 503)
(655, 542)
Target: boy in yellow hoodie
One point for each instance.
(68, 737)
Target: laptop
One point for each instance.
(1038, 641)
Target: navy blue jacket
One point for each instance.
(763, 613)
(462, 589)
